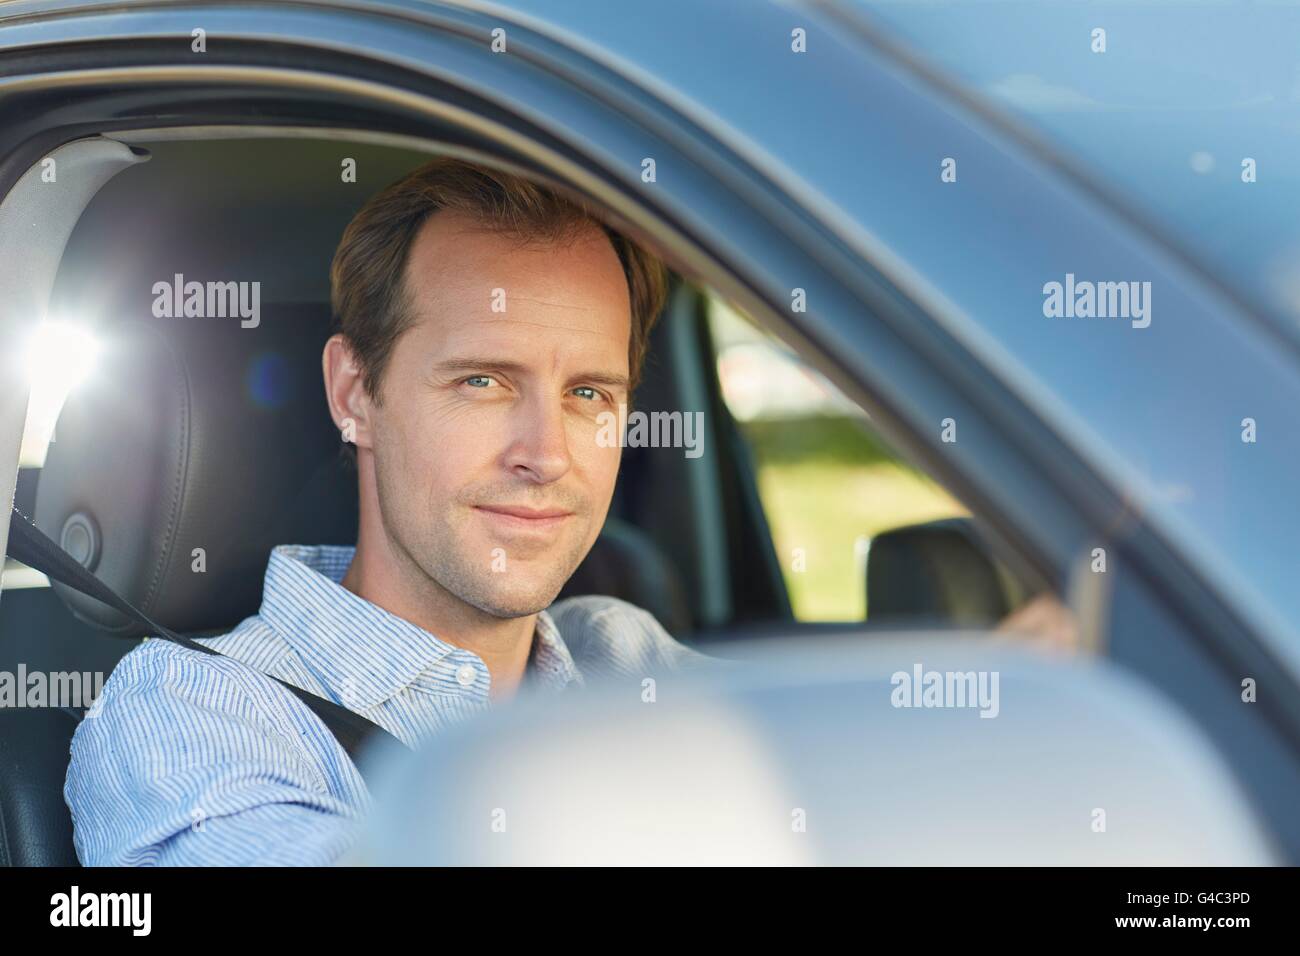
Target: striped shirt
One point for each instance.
(190, 759)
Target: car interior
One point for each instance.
(198, 444)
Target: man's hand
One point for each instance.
(1043, 623)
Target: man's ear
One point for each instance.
(350, 404)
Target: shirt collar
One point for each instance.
(365, 654)
(550, 664)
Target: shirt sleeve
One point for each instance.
(189, 759)
(611, 638)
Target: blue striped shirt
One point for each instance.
(190, 759)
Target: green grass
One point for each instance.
(825, 482)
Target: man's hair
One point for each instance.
(367, 288)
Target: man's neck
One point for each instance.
(395, 583)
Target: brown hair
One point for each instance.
(367, 288)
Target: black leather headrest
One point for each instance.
(625, 563)
(939, 572)
(196, 447)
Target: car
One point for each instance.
(858, 233)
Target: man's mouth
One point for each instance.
(524, 517)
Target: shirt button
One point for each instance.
(465, 675)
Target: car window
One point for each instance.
(827, 481)
(1184, 110)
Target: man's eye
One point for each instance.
(587, 392)
(480, 381)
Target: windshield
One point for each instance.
(1188, 112)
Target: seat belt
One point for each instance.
(28, 544)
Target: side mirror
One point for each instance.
(941, 572)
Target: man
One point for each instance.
(484, 324)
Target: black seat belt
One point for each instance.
(28, 544)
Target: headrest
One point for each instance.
(938, 572)
(196, 447)
(626, 563)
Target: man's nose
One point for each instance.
(539, 449)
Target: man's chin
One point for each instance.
(515, 586)
(509, 610)
(507, 603)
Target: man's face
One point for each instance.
(487, 465)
